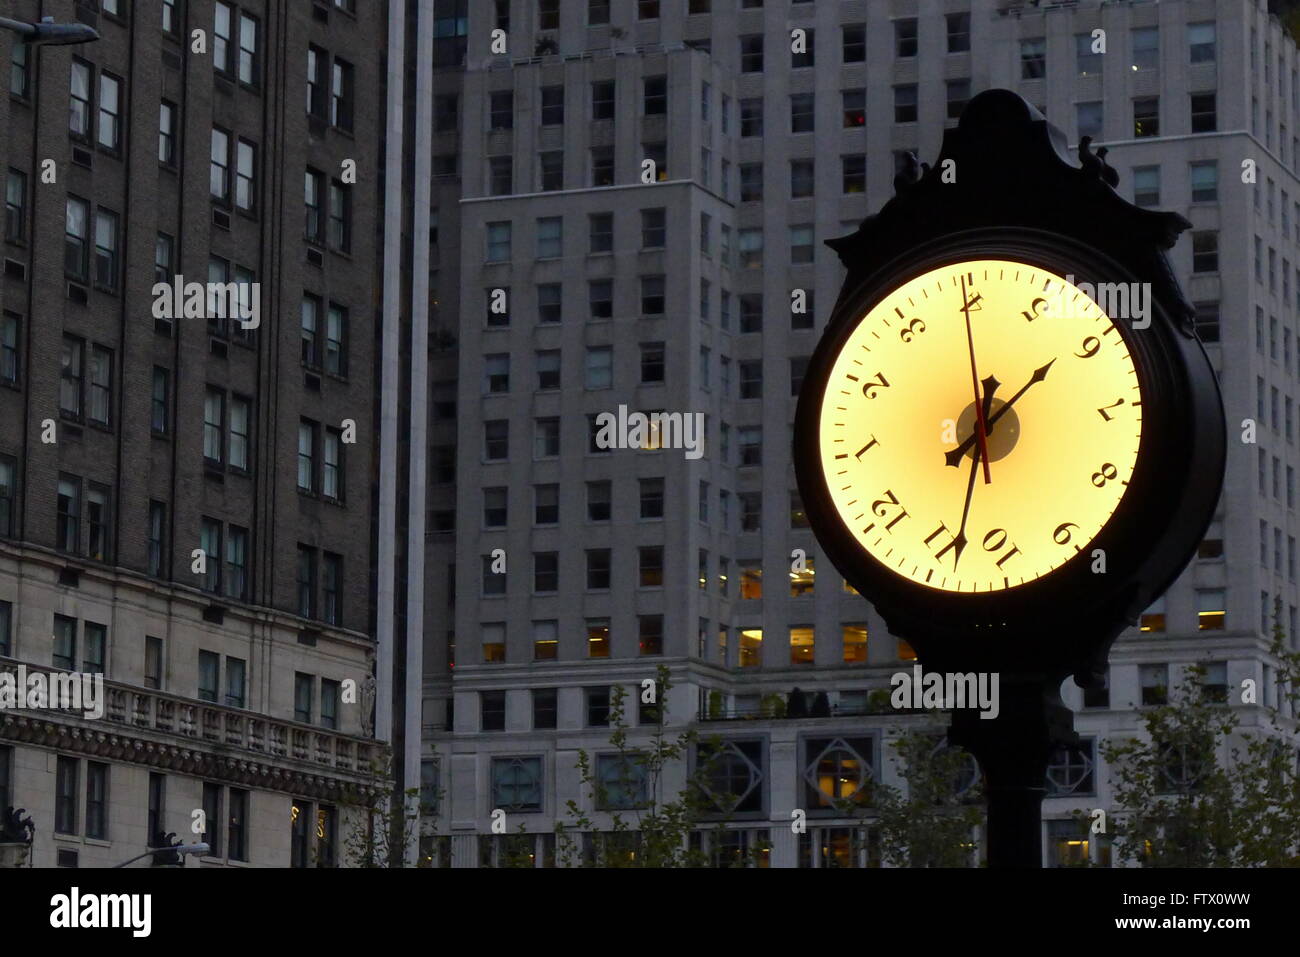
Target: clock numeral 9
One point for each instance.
(1107, 473)
(914, 328)
(1062, 533)
(869, 388)
(1091, 346)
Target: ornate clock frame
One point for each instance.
(1013, 193)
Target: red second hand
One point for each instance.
(981, 431)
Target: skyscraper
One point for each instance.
(627, 203)
(186, 425)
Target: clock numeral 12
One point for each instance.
(880, 508)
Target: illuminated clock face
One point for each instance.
(915, 478)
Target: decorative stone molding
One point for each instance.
(203, 739)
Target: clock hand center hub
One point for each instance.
(1002, 437)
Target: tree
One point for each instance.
(1199, 789)
(647, 829)
(380, 826)
(931, 821)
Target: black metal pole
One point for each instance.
(1013, 750)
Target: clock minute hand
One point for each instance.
(959, 540)
(954, 456)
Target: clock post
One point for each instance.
(1010, 439)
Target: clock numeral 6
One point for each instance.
(1107, 473)
(1091, 346)
(869, 388)
(914, 328)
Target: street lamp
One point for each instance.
(50, 33)
(177, 849)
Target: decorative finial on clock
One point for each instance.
(1108, 172)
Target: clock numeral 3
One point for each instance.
(1108, 472)
(869, 388)
(914, 328)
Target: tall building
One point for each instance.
(627, 202)
(186, 482)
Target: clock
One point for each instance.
(1050, 376)
(994, 445)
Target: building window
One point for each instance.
(1201, 43)
(1153, 619)
(905, 38)
(1146, 48)
(16, 206)
(209, 675)
(306, 581)
(517, 784)
(1146, 185)
(1205, 184)
(210, 543)
(1033, 58)
(751, 54)
(734, 775)
(904, 104)
(8, 496)
(1155, 684)
(340, 217)
(802, 113)
(341, 95)
(19, 72)
(69, 514)
(1146, 116)
(1211, 610)
(106, 260)
(312, 195)
(654, 228)
(854, 173)
(76, 244)
(304, 693)
(79, 109)
(492, 710)
(597, 569)
(65, 795)
(236, 569)
(245, 176)
(1205, 251)
(98, 524)
(153, 662)
(308, 441)
(549, 237)
(237, 826)
(110, 112)
(1204, 114)
(958, 32)
(64, 654)
(854, 42)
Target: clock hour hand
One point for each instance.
(955, 456)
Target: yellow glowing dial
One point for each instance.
(900, 441)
